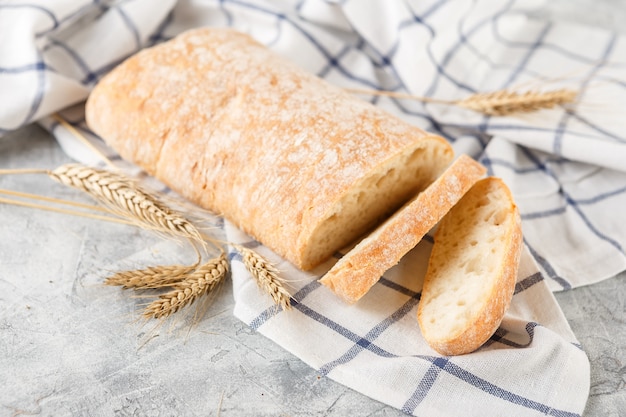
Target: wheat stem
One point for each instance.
(53, 200)
(83, 139)
(63, 211)
(216, 243)
(23, 171)
(395, 94)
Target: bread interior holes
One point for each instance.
(471, 250)
(389, 177)
(482, 202)
(496, 216)
(375, 198)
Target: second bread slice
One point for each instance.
(354, 274)
(472, 270)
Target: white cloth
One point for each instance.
(564, 167)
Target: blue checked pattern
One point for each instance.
(375, 346)
(564, 166)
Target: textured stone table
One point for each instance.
(71, 347)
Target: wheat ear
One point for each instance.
(266, 276)
(125, 198)
(198, 283)
(505, 102)
(150, 277)
(497, 103)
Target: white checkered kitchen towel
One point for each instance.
(565, 168)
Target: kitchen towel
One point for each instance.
(563, 165)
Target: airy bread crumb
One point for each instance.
(472, 270)
(354, 274)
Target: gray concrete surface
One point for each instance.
(70, 347)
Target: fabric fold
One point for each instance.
(564, 166)
(376, 348)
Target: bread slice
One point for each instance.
(472, 270)
(299, 164)
(355, 273)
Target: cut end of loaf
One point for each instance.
(472, 270)
(353, 276)
(376, 197)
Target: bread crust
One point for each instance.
(241, 131)
(356, 272)
(495, 303)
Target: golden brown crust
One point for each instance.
(496, 302)
(354, 274)
(245, 133)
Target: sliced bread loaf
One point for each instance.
(472, 270)
(297, 163)
(356, 272)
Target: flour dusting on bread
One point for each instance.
(299, 164)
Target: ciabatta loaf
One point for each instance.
(299, 164)
(472, 270)
(356, 272)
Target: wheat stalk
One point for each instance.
(266, 276)
(497, 103)
(125, 197)
(52, 200)
(198, 283)
(150, 277)
(63, 211)
(504, 103)
(83, 139)
(171, 275)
